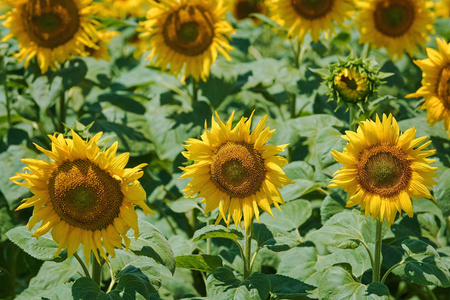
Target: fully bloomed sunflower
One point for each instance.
(235, 170)
(84, 195)
(303, 16)
(51, 30)
(435, 87)
(383, 170)
(187, 35)
(397, 25)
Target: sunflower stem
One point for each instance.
(377, 263)
(5, 89)
(248, 250)
(208, 240)
(62, 111)
(352, 117)
(96, 270)
(83, 265)
(194, 90)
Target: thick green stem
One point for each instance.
(96, 270)
(390, 270)
(194, 91)
(5, 89)
(293, 99)
(377, 262)
(248, 250)
(62, 112)
(83, 265)
(352, 117)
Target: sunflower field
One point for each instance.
(225, 149)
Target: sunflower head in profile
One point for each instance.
(242, 9)
(383, 170)
(83, 195)
(314, 16)
(398, 25)
(353, 81)
(435, 87)
(187, 35)
(51, 30)
(235, 170)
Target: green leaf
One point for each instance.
(299, 188)
(221, 284)
(333, 204)
(291, 216)
(199, 262)
(59, 292)
(85, 288)
(6, 223)
(287, 287)
(219, 231)
(52, 274)
(328, 139)
(305, 257)
(10, 163)
(152, 243)
(337, 283)
(343, 230)
(358, 258)
(423, 264)
(377, 291)
(309, 126)
(273, 238)
(73, 74)
(442, 193)
(27, 108)
(124, 102)
(43, 248)
(183, 205)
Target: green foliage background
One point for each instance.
(313, 248)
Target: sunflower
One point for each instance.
(442, 8)
(352, 85)
(187, 34)
(234, 170)
(435, 87)
(241, 9)
(315, 16)
(398, 25)
(121, 9)
(383, 170)
(51, 30)
(84, 195)
(101, 52)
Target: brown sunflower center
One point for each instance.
(443, 86)
(312, 9)
(384, 170)
(189, 30)
(51, 23)
(243, 8)
(85, 196)
(394, 17)
(350, 83)
(237, 169)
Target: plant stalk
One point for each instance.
(248, 250)
(62, 112)
(352, 117)
(83, 265)
(96, 270)
(377, 262)
(194, 90)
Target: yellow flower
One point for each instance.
(101, 52)
(234, 170)
(442, 8)
(51, 30)
(352, 86)
(84, 195)
(241, 9)
(383, 170)
(187, 35)
(397, 25)
(303, 16)
(435, 87)
(121, 9)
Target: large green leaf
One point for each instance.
(291, 216)
(442, 193)
(152, 243)
(423, 265)
(287, 287)
(305, 257)
(219, 231)
(199, 262)
(43, 248)
(59, 292)
(273, 238)
(221, 284)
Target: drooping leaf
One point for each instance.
(219, 231)
(287, 287)
(273, 238)
(199, 262)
